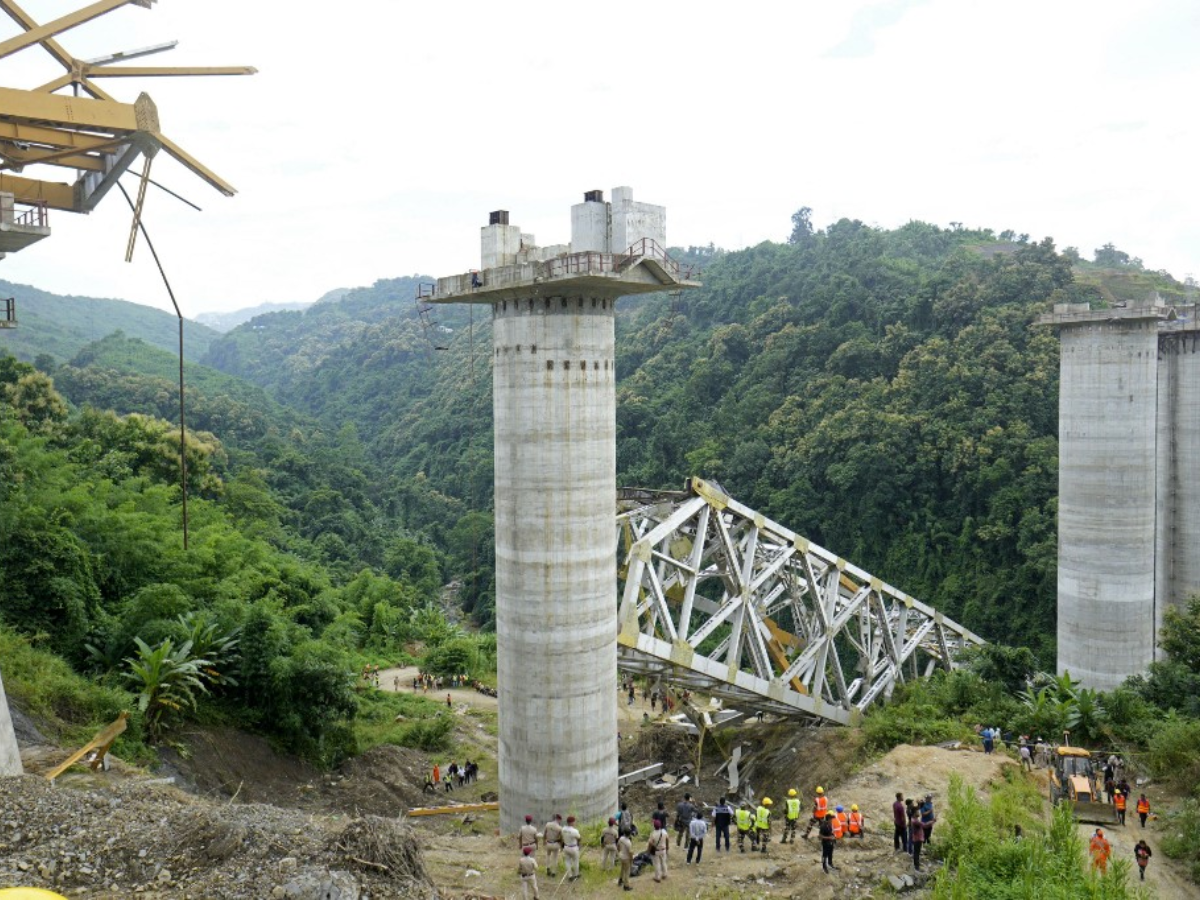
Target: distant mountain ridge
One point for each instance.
(225, 322)
(62, 326)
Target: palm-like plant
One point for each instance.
(167, 679)
(209, 643)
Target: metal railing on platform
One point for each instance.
(35, 214)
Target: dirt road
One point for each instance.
(401, 680)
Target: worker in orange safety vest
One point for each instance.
(1143, 809)
(841, 822)
(820, 808)
(1119, 803)
(854, 822)
(1100, 850)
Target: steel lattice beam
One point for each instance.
(717, 597)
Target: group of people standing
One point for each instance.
(691, 828)
(913, 823)
(565, 840)
(455, 774)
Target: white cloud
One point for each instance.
(378, 135)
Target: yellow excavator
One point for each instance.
(1073, 779)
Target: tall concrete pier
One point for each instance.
(554, 404)
(1129, 434)
(10, 755)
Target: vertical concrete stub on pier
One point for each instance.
(10, 754)
(554, 405)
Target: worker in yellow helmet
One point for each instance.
(820, 807)
(791, 818)
(855, 821)
(744, 816)
(762, 824)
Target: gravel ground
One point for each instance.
(131, 838)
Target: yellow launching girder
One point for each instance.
(96, 135)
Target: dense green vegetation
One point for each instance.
(987, 856)
(247, 624)
(880, 391)
(59, 327)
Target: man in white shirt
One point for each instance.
(697, 832)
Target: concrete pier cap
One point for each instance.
(554, 405)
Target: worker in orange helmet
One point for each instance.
(1100, 850)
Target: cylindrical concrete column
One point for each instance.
(555, 455)
(10, 754)
(1106, 505)
(1179, 449)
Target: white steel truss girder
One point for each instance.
(719, 598)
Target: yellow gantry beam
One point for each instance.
(163, 71)
(37, 33)
(30, 190)
(82, 133)
(106, 116)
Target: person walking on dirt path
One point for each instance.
(900, 820)
(625, 858)
(527, 869)
(762, 824)
(449, 703)
(528, 835)
(828, 842)
(791, 817)
(1100, 849)
(684, 810)
(553, 841)
(571, 838)
(608, 845)
(820, 807)
(745, 824)
(927, 817)
(918, 840)
(1143, 809)
(1142, 853)
(697, 832)
(437, 774)
(657, 845)
(722, 816)
(1120, 803)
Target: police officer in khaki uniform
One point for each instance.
(625, 857)
(608, 845)
(552, 838)
(527, 869)
(528, 836)
(571, 838)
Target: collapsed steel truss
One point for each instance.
(719, 598)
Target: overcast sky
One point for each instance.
(379, 133)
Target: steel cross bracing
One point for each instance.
(721, 599)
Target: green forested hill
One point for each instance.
(880, 391)
(62, 326)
